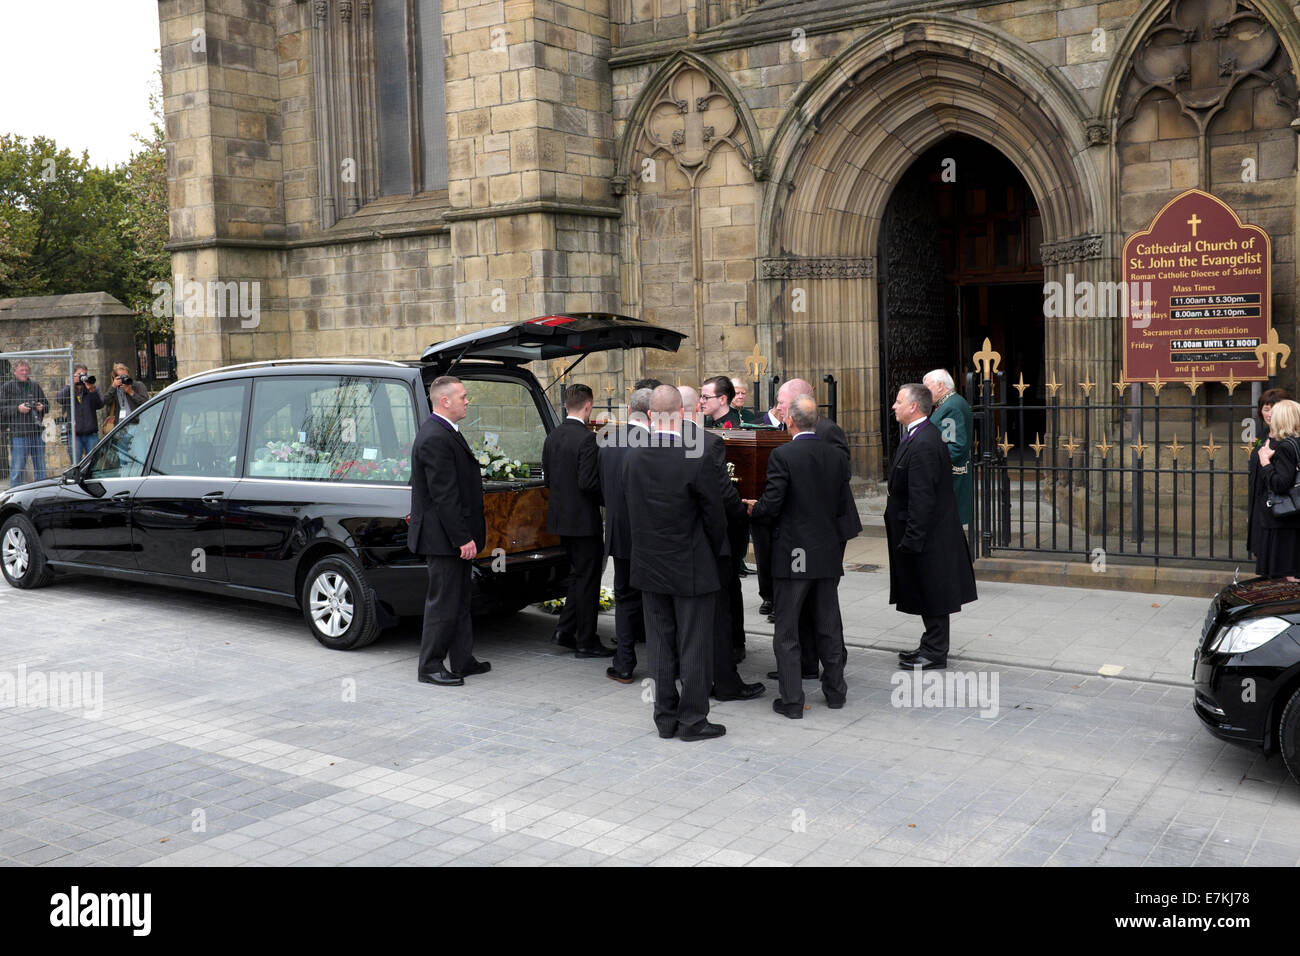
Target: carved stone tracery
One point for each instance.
(1200, 53)
(689, 120)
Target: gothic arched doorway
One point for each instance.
(959, 262)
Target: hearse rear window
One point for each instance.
(331, 428)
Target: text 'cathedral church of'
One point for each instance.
(862, 188)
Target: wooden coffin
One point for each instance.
(748, 450)
(516, 519)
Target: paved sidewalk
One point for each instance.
(229, 736)
(1077, 630)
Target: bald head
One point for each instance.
(666, 409)
(803, 414)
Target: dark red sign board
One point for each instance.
(1198, 283)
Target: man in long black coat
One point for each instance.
(678, 529)
(807, 500)
(447, 526)
(571, 464)
(930, 571)
(629, 621)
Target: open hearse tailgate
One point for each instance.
(554, 336)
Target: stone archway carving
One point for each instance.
(1199, 53)
(845, 144)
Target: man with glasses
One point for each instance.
(716, 395)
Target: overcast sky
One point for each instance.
(79, 72)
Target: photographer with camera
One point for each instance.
(124, 397)
(23, 407)
(85, 403)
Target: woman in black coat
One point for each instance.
(1277, 541)
(1256, 490)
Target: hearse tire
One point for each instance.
(337, 605)
(22, 559)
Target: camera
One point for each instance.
(126, 380)
(85, 379)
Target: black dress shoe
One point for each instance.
(793, 711)
(478, 667)
(835, 705)
(765, 608)
(600, 650)
(564, 640)
(746, 692)
(908, 656)
(702, 731)
(925, 664)
(668, 734)
(771, 619)
(776, 675)
(623, 677)
(742, 572)
(443, 677)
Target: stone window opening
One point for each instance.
(380, 102)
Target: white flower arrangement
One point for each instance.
(493, 464)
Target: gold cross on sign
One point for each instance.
(1194, 222)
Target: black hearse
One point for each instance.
(288, 481)
(1246, 669)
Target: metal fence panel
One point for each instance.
(36, 433)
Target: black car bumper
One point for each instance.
(522, 579)
(1236, 695)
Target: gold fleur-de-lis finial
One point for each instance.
(756, 364)
(1020, 386)
(1211, 449)
(1104, 447)
(1053, 386)
(1037, 445)
(1273, 350)
(1247, 447)
(1193, 383)
(1139, 446)
(986, 360)
(1005, 445)
(1070, 446)
(1122, 384)
(1231, 382)
(1157, 385)
(1087, 385)
(1175, 449)
(609, 390)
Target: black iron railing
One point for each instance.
(1140, 471)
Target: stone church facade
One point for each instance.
(750, 172)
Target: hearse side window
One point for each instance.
(123, 454)
(503, 422)
(201, 438)
(331, 428)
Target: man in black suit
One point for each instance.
(808, 503)
(930, 571)
(447, 527)
(833, 435)
(678, 528)
(629, 620)
(570, 464)
(729, 612)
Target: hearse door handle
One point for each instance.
(213, 497)
(123, 494)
